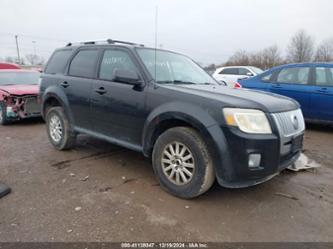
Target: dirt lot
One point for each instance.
(100, 192)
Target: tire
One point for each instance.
(59, 130)
(3, 115)
(195, 158)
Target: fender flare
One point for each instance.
(199, 119)
(60, 96)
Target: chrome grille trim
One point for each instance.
(284, 121)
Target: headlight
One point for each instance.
(248, 120)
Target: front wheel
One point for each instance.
(183, 163)
(59, 131)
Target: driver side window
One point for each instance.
(113, 60)
(294, 75)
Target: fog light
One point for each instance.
(254, 160)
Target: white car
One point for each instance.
(230, 75)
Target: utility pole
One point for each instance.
(35, 56)
(18, 50)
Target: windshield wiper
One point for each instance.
(176, 82)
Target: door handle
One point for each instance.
(101, 90)
(64, 84)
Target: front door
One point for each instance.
(293, 82)
(118, 109)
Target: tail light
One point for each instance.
(237, 85)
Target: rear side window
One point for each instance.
(229, 71)
(58, 62)
(112, 60)
(294, 75)
(83, 64)
(243, 71)
(324, 76)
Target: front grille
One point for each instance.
(289, 123)
(291, 127)
(31, 106)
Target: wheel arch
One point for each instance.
(173, 115)
(54, 97)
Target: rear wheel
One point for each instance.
(182, 162)
(3, 114)
(59, 131)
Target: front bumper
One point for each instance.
(276, 150)
(21, 107)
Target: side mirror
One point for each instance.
(249, 74)
(127, 77)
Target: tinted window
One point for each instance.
(58, 62)
(83, 64)
(112, 60)
(229, 71)
(324, 76)
(243, 71)
(294, 75)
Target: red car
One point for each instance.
(18, 95)
(5, 65)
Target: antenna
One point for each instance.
(156, 19)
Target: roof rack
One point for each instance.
(107, 41)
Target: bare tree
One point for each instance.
(34, 59)
(301, 47)
(10, 59)
(31, 58)
(324, 51)
(240, 58)
(266, 58)
(271, 57)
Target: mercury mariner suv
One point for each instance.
(164, 105)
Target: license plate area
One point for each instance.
(297, 144)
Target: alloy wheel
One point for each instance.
(178, 163)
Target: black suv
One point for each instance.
(164, 105)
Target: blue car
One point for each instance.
(311, 84)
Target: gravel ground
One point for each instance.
(101, 192)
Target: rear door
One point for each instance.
(78, 84)
(293, 82)
(322, 95)
(118, 108)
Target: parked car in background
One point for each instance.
(311, 84)
(5, 65)
(230, 75)
(164, 105)
(18, 95)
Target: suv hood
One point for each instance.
(242, 98)
(20, 89)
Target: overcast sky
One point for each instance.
(207, 30)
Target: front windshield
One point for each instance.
(257, 70)
(19, 78)
(172, 68)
